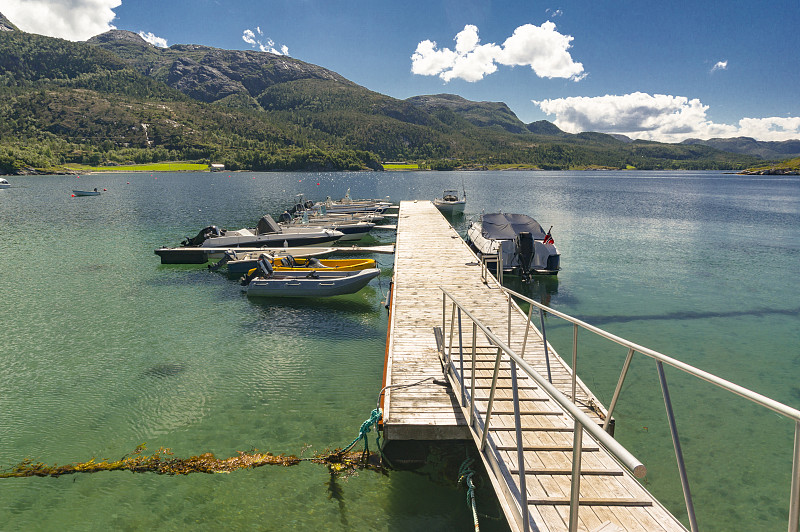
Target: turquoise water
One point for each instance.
(104, 348)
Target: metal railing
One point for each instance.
(661, 359)
(492, 258)
(479, 422)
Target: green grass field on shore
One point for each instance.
(154, 167)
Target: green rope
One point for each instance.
(465, 474)
(366, 427)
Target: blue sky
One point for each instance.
(661, 71)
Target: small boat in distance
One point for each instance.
(316, 283)
(519, 239)
(450, 203)
(94, 192)
(4, 183)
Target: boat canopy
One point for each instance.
(501, 226)
(266, 225)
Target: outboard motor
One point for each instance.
(309, 204)
(285, 217)
(313, 262)
(202, 236)
(524, 245)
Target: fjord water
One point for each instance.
(104, 349)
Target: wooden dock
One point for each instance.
(430, 254)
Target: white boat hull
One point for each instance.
(450, 206)
(541, 262)
(327, 284)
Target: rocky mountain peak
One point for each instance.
(6, 25)
(119, 37)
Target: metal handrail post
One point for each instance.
(523, 487)
(794, 501)
(472, 374)
(546, 353)
(509, 319)
(491, 399)
(452, 329)
(461, 360)
(500, 264)
(618, 389)
(673, 429)
(574, 362)
(575, 484)
(527, 328)
(444, 315)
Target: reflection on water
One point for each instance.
(540, 288)
(104, 348)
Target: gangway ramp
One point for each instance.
(434, 269)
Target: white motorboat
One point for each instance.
(267, 233)
(348, 205)
(4, 183)
(317, 283)
(450, 203)
(524, 246)
(201, 255)
(354, 229)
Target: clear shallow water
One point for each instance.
(104, 348)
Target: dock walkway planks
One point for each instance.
(429, 253)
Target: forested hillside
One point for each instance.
(117, 99)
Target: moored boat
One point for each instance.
(242, 263)
(319, 283)
(94, 192)
(201, 255)
(266, 233)
(354, 229)
(4, 183)
(521, 242)
(450, 203)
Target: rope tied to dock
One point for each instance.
(366, 427)
(465, 474)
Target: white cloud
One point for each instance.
(540, 47)
(772, 128)
(249, 37)
(256, 39)
(658, 117)
(721, 65)
(152, 39)
(74, 20)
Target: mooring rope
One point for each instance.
(366, 427)
(465, 474)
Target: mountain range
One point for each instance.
(116, 98)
